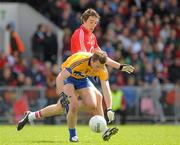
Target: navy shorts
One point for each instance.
(78, 83)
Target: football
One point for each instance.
(97, 124)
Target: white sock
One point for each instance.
(34, 115)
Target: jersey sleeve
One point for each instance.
(67, 65)
(103, 74)
(69, 70)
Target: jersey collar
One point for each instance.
(85, 30)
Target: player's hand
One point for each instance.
(64, 100)
(126, 68)
(110, 115)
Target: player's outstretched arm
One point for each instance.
(122, 67)
(108, 99)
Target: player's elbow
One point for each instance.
(62, 76)
(58, 79)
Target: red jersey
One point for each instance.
(83, 41)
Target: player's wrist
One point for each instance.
(120, 67)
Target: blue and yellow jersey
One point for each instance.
(78, 66)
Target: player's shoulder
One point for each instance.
(83, 54)
(77, 31)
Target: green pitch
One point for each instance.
(58, 135)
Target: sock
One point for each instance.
(34, 115)
(72, 132)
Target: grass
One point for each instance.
(58, 135)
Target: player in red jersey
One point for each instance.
(83, 39)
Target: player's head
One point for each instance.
(10, 26)
(98, 60)
(90, 19)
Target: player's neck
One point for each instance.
(86, 29)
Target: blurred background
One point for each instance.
(35, 40)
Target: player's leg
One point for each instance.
(48, 111)
(89, 99)
(96, 100)
(91, 102)
(94, 103)
(69, 90)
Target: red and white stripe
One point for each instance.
(38, 114)
(81, 41)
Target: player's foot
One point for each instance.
(74, 139)
(23, 121)
(109, 132)
(65, 102)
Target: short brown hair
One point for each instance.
(100, 56)
(88, 13)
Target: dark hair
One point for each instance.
(40, 26)
(10, 26)
(88, 13)
(100, 56)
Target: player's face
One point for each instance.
(91, 23)
(97, 65)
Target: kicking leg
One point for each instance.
(48, 111)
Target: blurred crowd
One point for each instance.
(144, 33)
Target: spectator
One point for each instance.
(109, 49)
(118, 103)
(3, 60)
(38, 42)
(3, 106)
(15, 43)
(66, 44)
(51, 45)
(174, 69)
(7, 77)
(51, 95)
(155, 95)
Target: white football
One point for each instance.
(97, 124)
